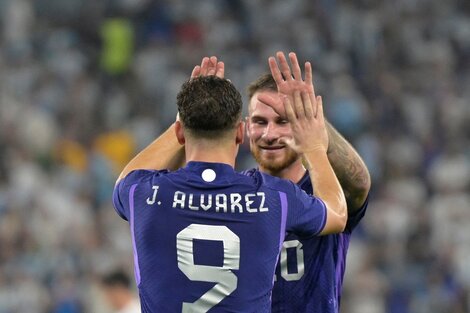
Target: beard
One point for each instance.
(274, 165)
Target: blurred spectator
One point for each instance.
(118, 292)
(118, 42)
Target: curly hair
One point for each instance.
(209, 105)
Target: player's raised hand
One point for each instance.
(307, 122)
(289, 78)
(209, 66)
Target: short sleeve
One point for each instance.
(356, 217)
(306, 214)
(118, 193)
(122, 190)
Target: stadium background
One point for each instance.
(85, 83)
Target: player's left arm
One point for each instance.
(350, 169)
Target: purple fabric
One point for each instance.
(134, 246)
(323, 224)
(283, 218)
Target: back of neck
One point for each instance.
(211, 151)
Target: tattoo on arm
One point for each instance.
(351, 171)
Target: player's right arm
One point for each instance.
(166, 152)
(310, 139)
(163, 153)
(304, 111)
(350, 169)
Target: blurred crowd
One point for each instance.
(85, 84)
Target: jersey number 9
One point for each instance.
(224, 277)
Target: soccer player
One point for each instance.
(310, 274)
(206, 238)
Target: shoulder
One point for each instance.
(306, 184)
(138, 176)
(269, 181)
(355, 217)
(277, 184)
(124, 189)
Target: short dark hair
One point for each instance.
(117, 278)
(209, 105)
(264, 82)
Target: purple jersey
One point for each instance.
(310, 273)
(207, 239)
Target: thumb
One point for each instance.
(289, 142)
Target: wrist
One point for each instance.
(314, 156)
(318, 148)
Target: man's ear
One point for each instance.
(179, 132)
(240, 133)
(247, 128)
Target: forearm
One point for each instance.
(163, 153)
(327, 188)
(350, 169)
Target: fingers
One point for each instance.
(274, 102)
(267, 99)
(196, 72)
(282, 72)
(294, 111)
(314, 105)
(204, 66)
(209, 66)
(301, 108)
(308, 73)
(275, 71)
(295, 66)
(288, 141)
(308, 105)
(311, 87)
(290, 113)
(212, 66)
(319, 115)
(220, 70)
(298, 105)
(309, 76)
(285, 69)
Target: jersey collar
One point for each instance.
(304, 178)
(220, 168)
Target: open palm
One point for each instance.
(290, 80)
